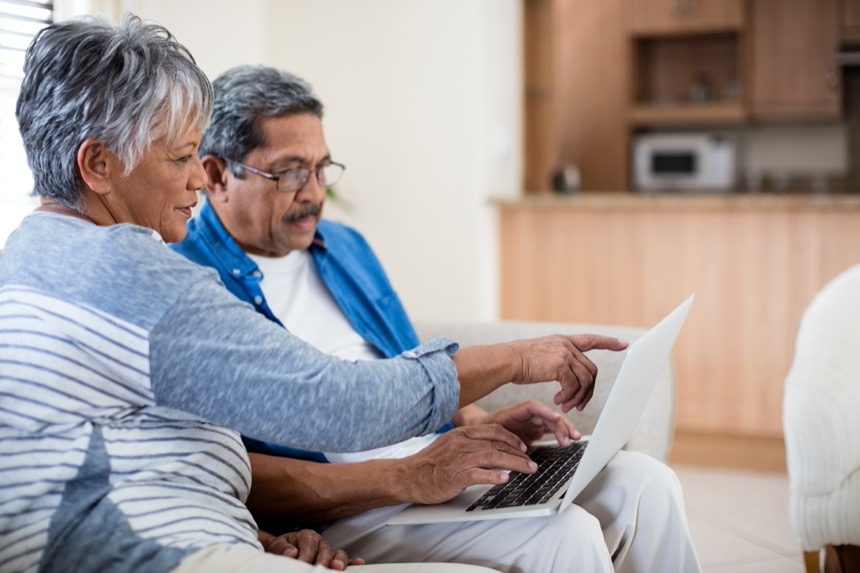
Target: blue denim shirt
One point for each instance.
(347, 266)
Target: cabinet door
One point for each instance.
(686, 16)
(541, 144)
(793, 70)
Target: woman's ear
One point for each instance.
(95, 164)
(216, 171)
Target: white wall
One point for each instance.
(422, 105)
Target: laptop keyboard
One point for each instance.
(555, 466)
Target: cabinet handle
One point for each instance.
(684, 8)
(832, 79)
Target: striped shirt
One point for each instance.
(122, 365)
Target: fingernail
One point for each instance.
(523, 448)
(532, 466)
(337, 563)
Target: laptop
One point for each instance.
(573, 467)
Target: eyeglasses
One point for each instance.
(294, 180)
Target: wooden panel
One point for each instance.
(793, 72)
(753, 273)
(688, 115)
(686, 16)
(576, 92)
(540, 147)
(541, 142)
(849, 21)
(726, 451)
(538, 45)
(594, 92)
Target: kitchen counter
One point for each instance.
(753, 260)
(686, 201)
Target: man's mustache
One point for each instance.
(309, 211)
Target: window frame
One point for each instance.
(16, 199)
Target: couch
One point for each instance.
(821, 424)
(653, 434)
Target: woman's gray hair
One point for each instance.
(125, 86)
(245, 94)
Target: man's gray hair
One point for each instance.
(246, 94)
(125, 86)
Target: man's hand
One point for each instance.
(307, 546)
(531, 420)
(462, 457)
(559, 357)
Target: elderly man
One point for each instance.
(261, 228)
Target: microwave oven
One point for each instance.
(683, 162)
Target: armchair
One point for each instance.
(821, 423)
(653, 434)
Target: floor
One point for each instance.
(739, 520)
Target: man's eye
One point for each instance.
(291, 174)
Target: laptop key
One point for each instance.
(555, 466)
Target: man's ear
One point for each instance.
(96, 163)
(216, 170)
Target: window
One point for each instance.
(20, 20)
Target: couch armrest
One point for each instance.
(653, 434)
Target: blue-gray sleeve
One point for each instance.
(214, 356)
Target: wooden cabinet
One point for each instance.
(754, 263)
(599, 71)
(666, 17)
(793, 74)
(576, 91)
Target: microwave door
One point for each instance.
(673, 164)
(670, 170)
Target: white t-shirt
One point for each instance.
(299, 298)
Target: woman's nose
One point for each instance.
(199, 178)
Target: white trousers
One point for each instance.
(631, 518)
(244, 559)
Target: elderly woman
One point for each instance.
(122, 365)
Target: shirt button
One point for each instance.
(237, 272)
(410, 354)
(258, 300)
(258, 274)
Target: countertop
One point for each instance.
(593, 200)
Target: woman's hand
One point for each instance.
(531, 420)
(561, 358)
(307, 546)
